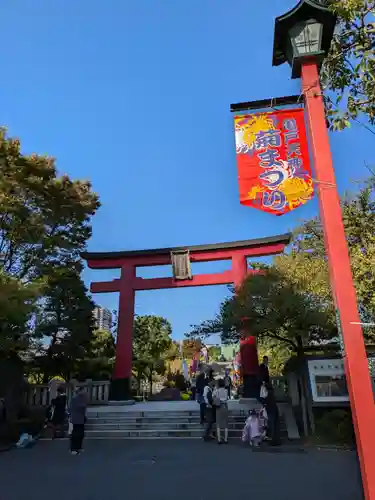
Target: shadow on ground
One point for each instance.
(176, 470)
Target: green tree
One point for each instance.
(349, 70)
(65, 323)
(269, 306)
(98, 361)
(278, 354)
(151, 344)
(190, 347)
(17, 305)
(214, 353)
(45, 219)
(308, 264)
(44, 225)
(173, 352)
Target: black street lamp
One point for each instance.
(305, 31)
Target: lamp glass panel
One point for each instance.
(306, 38)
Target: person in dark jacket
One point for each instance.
(58, 409)
(228, 384)
(200, 384)
(273, 418)
(264, 374)
(78, 419)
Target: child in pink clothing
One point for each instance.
(252, 431)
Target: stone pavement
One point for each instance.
(176, 470)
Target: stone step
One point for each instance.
(167, 433)
(154, 414)
(140, 414)
(154, 420)
(159, 426)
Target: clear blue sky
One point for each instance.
(135, 95)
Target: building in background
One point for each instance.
(103, 319)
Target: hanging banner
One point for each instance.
(274, 172)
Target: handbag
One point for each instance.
(263, 392)
(215, 400)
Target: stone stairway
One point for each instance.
(157, 424)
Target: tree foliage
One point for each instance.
(291, 302)
(152, 344)
(17, 304)
(349, 70)
(309, 259)
(65, 323)
(98, 361)
(278, 354)
(214, 353)
(269, 306)
(45, 219)
(45, 222)
(190, 347)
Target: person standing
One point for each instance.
(210, 410)
(228, 383)
(78, 418)
(210, 374)
(220, 401)
(58, 412)
(200, 384)
(193, 388)
(264, 373)
(273, 418)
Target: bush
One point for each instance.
(32, 423)
(336, 426)
(169, 383)
(178, 379)
(180, 382)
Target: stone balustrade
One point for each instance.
(41, 394)
(98, 392)
(279, 385)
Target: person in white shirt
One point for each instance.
(220, 400)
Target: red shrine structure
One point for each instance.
(180, 258)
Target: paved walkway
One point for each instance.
(175, 470)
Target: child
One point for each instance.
(252, 432)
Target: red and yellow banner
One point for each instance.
(274, 171)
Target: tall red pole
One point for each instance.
(121, 380)
(355, 358)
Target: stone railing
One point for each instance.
(41, 395)
(98, 392)
(280, 387)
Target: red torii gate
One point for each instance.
(129, 283)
